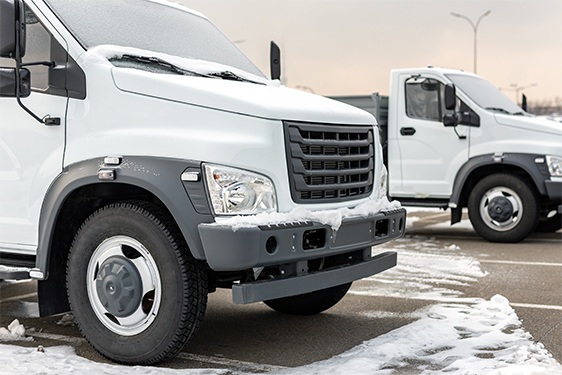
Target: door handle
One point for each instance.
(407, 131)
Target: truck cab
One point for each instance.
(453, 140)
(146, 162)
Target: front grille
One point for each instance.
(329, 163)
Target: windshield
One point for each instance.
(484, 94)
(149, 25)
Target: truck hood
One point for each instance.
(257, 96)
(267, 100)
(530, 123)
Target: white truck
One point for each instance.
(453, 140)
(145, 162)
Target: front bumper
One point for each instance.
(295, 243)
(554, 190)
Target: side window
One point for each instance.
(38, 48)
(424, 98)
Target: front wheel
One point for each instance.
(136, 293)
(503, 208)
(310, 303)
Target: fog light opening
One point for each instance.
(381, 228)
(314, 239)
(271, 245)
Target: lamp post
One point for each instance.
(474, 28)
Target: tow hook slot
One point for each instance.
(314, 239)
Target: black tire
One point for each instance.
(136, 293)
(549, 224)
(503, 208)
(310, 303)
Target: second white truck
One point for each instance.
(452, 140)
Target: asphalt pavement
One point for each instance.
(256, 339)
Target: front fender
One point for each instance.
(529, 163)
(161, 177)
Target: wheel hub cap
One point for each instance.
(500, 209)
(119, 286)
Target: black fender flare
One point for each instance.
(186, 201)
(532, 164)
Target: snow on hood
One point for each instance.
(333, 218)
(107, 52)
(265, 98)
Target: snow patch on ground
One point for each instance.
(62, 360)
(434, 274)
(484, 337)
(14, 332)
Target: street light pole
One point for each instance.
(474, 28)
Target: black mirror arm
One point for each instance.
(452, 120)
(457, 133)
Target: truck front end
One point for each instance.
(187, 170)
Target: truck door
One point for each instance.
(31, 153)
(430, 153)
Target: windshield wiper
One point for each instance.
(160, 64)
(228, 75)
(163, 66)
(498, 110)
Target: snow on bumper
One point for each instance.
(292, 242)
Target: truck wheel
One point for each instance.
(310, 303)
(549, 224)
(136, 293)
(503, 208)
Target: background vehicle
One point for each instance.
(452, 140)
(145, 163)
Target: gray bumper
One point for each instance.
(291, 286)
(228, 250)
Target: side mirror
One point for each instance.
(8, 83)
(524, 102)
(12, 23)
(450, 97)
(275, 61)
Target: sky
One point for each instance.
(348, 47)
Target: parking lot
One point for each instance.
(437, 263)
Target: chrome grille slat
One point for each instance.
(329, 163)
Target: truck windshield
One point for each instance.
(152, 25)
(484, 94)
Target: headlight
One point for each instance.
(238, 192)
(554, 165)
